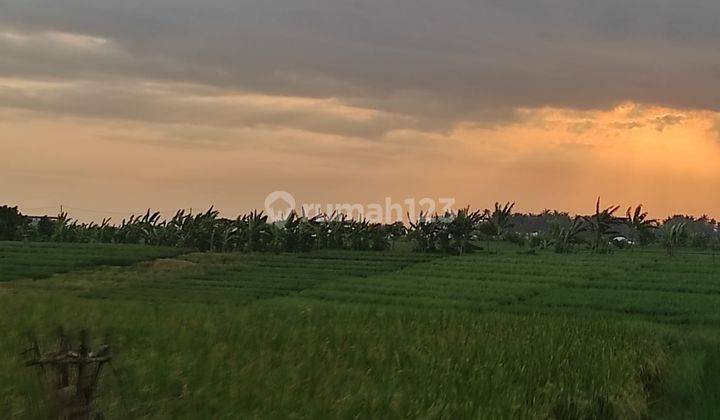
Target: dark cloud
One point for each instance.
(667, 120)
(430, 61)
(629, 125)
(580, 127)
(172, 104)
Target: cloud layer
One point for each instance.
(174, 103)
(439, 62)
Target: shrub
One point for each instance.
(11, 223)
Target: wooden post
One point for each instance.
(74, 376)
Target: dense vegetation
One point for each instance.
(529, 317)
(454, 233)
(501, 334)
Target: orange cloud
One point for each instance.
(548, 158)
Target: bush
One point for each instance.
(516, 238)
(699, 240)
(11, 224)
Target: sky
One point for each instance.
(109, 107)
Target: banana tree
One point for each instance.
(294, 234)
(463, 228)
(65, 228)
(422, 233)
(395, 231)
(565, 238)
(103, 232)
(256, 231)
(332, 230)
(499, 221)
(673, 236)
(139, 229)
(602, 223)
(358, 235)
(641, 228)
(379, 236)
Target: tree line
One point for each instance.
(457, 232)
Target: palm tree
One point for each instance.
(640, 226)
(602, 223)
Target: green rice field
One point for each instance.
(343, 334)
(38, 260)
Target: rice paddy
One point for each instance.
(503, 334)
(20, 260)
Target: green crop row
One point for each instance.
(291, 359)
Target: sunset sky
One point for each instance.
(109, 107)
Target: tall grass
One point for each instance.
(367, 334)
(286, 358)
